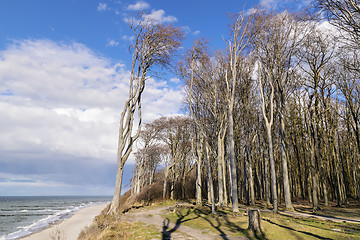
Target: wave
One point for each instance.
(57, 216)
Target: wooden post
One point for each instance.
(255, 221)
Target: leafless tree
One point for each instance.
(316, 51)
(345, 14)
(236, 45)
(154, 44)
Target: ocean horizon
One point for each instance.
(24, 215)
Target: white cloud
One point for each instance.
(112, 43)
(282, 5)
(175, 80)
(102, 7)
(196, 32)
(269, 4)
(159, 16)
(128, 38)
(60, 103)
(138, 6)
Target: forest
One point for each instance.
(274, 116)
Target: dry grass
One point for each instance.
(108, 227)
(226, 223)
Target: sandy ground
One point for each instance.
(69, 229)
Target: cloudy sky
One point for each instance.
(64, 70)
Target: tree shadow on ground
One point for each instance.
(304, 232)
(166, 234)
(332, 214)
(222, 234)
(222, 222)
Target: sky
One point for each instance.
(64, 71)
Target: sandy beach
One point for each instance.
(69, 229)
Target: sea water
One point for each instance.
(21, 216)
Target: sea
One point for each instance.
(22, 216)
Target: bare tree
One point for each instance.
(165, 157)
(345, 14)
(196, 70)
(175, 134)
(278, 39)
(236, 45)
(316, 52)
(154, 44)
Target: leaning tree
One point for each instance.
(154, 44)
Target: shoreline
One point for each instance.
(70, 228)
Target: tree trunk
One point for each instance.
(246, 183)
(357, 187)
(315, 198)
(172, 186)
(224, 172)
(210, 183)
(285, 173)
(166, 172)
(255, 221)
(326, 200)
(250, 178)
(272, 172)
(267, 185)
(114, 207)
(198, 183)
(220, 172)
(233, 176)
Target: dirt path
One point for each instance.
(175, 231)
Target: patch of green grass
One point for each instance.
(139, 230)
(332, 211)
(283, 227)
(201, 218)
(275, 226)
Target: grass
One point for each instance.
(226, 223)
(282, 227)
(107, 227)
(334, 211)
(274, 226)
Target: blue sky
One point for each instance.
(64, 69)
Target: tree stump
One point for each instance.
(255, 221)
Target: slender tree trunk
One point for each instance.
(166, 172)
(220, 172)
(326, 199)
(224, 172)
(246, 184)
(229, 169)
(172, 187)
(315, 198)
(357, 187)
(210, 183)
(233, 175)
(197, 148)
(285, 173)
(267, 185)
(198, 183)
(183, 184)
(251, 179)
(272, 172)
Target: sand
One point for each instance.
(70, 228)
